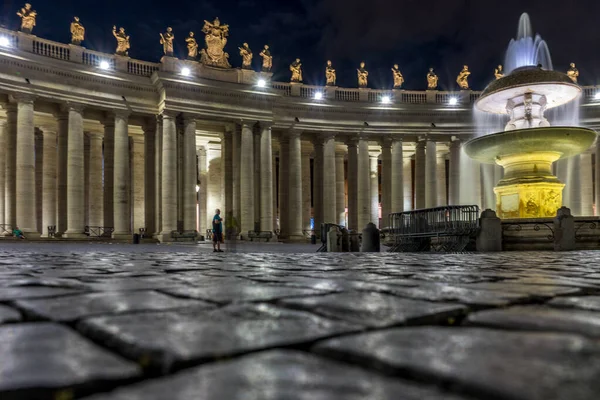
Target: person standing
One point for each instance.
(217, 223)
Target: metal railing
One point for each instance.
(447, 228)
(5, 229)
(99, 231)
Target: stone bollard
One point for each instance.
(564, 230)
(489, 237)
(332, 240)
(354, 243)
(345, 240)
(370, 239)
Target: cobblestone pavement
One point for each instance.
(134, 322)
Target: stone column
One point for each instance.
(39, 176)
(86, 179)
(109, 170)
(353, 185)
(431, 174)
(306, 185)
(96, 195)
(203, 216)
(587, 185)
(49, 181)
(397, 178)
(295, 185)
(340, 190)
(168, 176)
(247, 179)
(454, 174)
(138, 183)
(597, 178)
(386, 179)
(329, 198)
(25, 168)
(3, 134)
(266, 179)
(257, 174)
(213, 182)
(420, 181)
(75, 174)
(10, 172)
(275, 191)
(489, 197)
(227, 170)
(407, 172)
(149, 173)
(574, 185)
(189, 174)
(363, 184)
(440, 163)
(121, 210)
(318, 185)
(158, 148)
(374, 179)
(236, 158)
(470, 180)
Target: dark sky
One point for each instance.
(416, 34)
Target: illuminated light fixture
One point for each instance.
(4, 41)
(185, 71)
(197, 188)
(318, 96)
(386, 100)
(597, 96)
(261, 83)
(104, 64)
(453, 101)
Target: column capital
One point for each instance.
(9, 106)
(23, 98)
(386, 142)
(94, 135)
(265, 124)
(123, 114)
(72, 106)
(294, 133)
(149, 126)
(352, 142)
(189, 118)
(420, 144)
(247, 122)
(170, 114)
(374, 153)
(137, 139)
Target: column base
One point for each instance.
(31, 234)
(164, 237)
(296, 239)
(74, 235)
(122, 236)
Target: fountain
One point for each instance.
(529, 145)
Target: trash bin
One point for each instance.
(136, 238)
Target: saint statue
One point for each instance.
(499, 72)
(166, 39)
(362, 75)
(216, 39)
(192, 46)
(296, 68)
(122, 41)
(330, 75)
(267, 59)
(27, 18)
(398, 78)
(432, 80)
(246, 54)
(77, 32)
(573, 73)
(462, 78)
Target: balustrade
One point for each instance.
(51, 49)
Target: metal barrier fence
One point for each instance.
(99, 231)
(447, 228)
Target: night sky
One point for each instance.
(416, 34)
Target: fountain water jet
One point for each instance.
(529, 145)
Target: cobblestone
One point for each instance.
(180, 322)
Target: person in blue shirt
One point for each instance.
(217, 237)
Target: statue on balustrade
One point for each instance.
(330, 75)
(267, 59)
(192, 46)
(398, 78)
(27, 18)
(362, 75)
(296, 68)
(246, 54)
(216, 39)
(499, 72)
(123, 45)
(462, 78)
(573, 73)
(432, 80)
(77, 32)
(166, 39)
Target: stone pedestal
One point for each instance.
(489, 237)
(76, 53)
(370, 239)
(564, 230)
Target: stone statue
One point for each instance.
(296, 68)
(77, 32)
(362, 75)
(573, 73)
(166, 39)
(499, 72)
(267, 59)
(462, 78)
(330, 74)
(192, 46)
(27, 18)
(398, 78)
(216, 39)
(246, 54)
(122, 41)
(432, 80)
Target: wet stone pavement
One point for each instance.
(174, 323)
